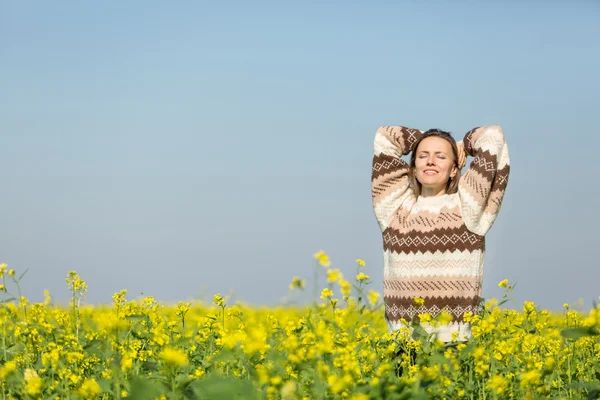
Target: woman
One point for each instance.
(434, 221)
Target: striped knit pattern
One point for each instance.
(434, 247)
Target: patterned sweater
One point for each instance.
(434, 246)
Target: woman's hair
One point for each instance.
(452, 185)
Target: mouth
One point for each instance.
(430, 172)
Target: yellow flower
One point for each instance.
(468, 316)
(3, 268)
(503, 283)
(75, 283)
(47, 298)
(89, 389)
(7, 370)
(418, 301)
(199, 372)
(425, 318)
(326, 293)
(11, 272)
(2, 287)
(322, 258)
(530, 378)
(529, 306)
(218, 300)
(297, 283)
(334, 275)
(445, 317)
(362, 277)
(360, 262)
(175, 357)
(288, 391)
(182, 309)
(28, 374)
(126, 363)
(345, 287)
(276, 381)
(373, 296)
(34, 385)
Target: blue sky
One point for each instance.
(179, 150)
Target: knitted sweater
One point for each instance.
(433, 247)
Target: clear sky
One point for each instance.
(179, 149)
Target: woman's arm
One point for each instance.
(482, 188)
(389, 179)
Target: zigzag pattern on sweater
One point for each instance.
(412, 311)
(431, 284)
(434, 239)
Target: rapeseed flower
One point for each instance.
(334, 275)
(345, 287)
(322, 258)
(362, 277)
(326, 293)
(89, 389)
(218, 300)
(497, 384)
(33, 387)
(425, 318)
(418, 301)
(373, 296)
(174, 357)
(297, 283)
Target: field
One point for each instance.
(338, 347)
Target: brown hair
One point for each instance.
(452, 185)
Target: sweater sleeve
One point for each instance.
(389, 180)
(481, 189)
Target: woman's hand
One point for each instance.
(462, 157)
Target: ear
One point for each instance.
(454, 171)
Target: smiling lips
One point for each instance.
(430, 172)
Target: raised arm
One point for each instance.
(389, 179)
(482, 188)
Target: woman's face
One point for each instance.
(434, 163)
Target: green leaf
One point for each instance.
(149, 366)
(135, 317)
(95, 347)
(22, 275)
(105, 385)
(579, 332)
(16, 349)
(419, 332)
(144, 389)
(438, 359)
(219, 387)
(7, 300)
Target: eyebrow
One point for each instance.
(426, 151)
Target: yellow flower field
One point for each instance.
(338, 347)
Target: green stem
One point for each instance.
(4, 321)
(223, 311)
(315, 286)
